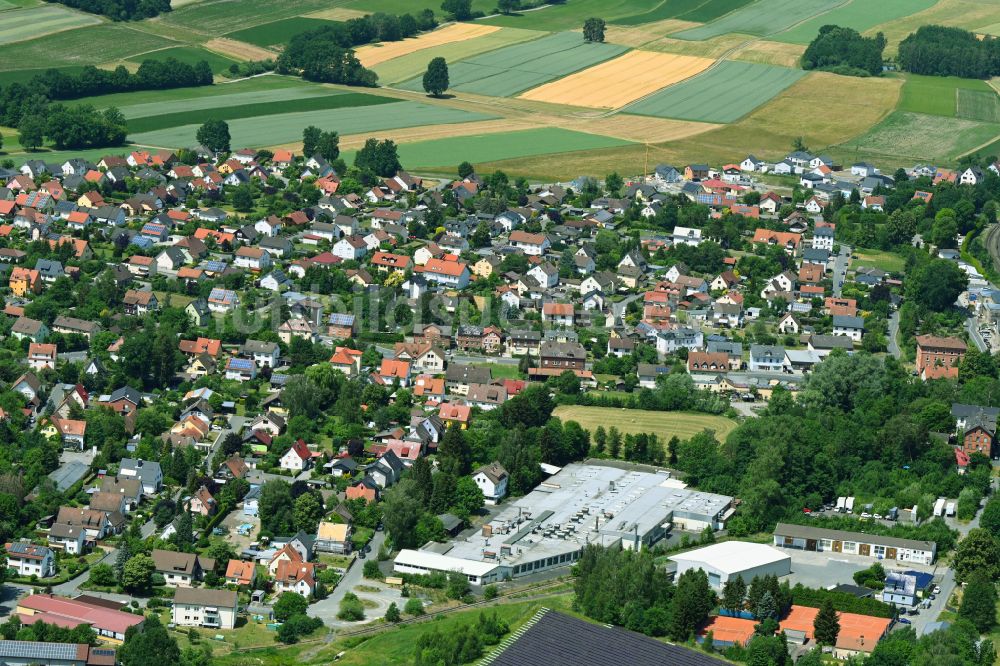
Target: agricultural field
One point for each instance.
(276, 33)
(514, 69)
(374, 54)
(664, 425)
(904, 138)
(701, 11)
(263, 131)
(615, 83)
(82, 46)
(449, 152)
(723, 94)
(861, 15)
(936, 95)
(414, 64)
(230, 112)
(188, 54)
(23, 76)
(975, 15)
(19, 25)
(257, 89)
(760, 18)
(404, 6)
(978, 105)
(217, 17)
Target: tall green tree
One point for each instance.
(328, 145)
(460, 10)
(149, 646)
(978, 552)
(31, 132)
(690, 606)
(214, 135)
(454, 453)
(826, 626)
(979, 602)
(593, 30)
(436, 77)
(734, 592)
(310, 140)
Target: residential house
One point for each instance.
(939, 357)
(492, 480)
(200, 607)
(30, 560)
(180, 569)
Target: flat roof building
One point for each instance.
(729, 560)
(594, 503)
(819, 539)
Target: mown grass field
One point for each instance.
(572, 14)
(286, 128)
(634, 421)
(904, 138)
(217, 17)
(887, 261)
(684, 10)
(978, 105)
(415, 64)
(760, 18)
(18, 25)
(82, 46)
(25, 75)
(230, 112)
(277, 32)
(411, 6)
(723, 94)
(450, 152)
(517, 68)
(190, 55)
(936, 95)
(974, 15)
(858, 14)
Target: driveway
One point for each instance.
(972, 326)
(840, 264)
(235, 424)
(326, 609)
(893, 343)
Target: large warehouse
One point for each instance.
(606, 504)
(734, 559)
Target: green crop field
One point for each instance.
(936, 95)
(4, 5)
(409, 6)
(858, 14)
(511, 70)
(287, 127)
(190, 55)
(906, 137)
(572, 14)
(760, 18)
(81, 46)
(231, 112)
(722, 94)
(25, 75)
(499, 146)
(415, 64)
(277, 32)
(978, 105)
(664, 425)
(701, 11)
(24, 24)
(179, 99)
(217, 17)
(221, 98)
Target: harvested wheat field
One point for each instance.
(238, 50)
(637, 35)
(640, 129)
(617, 82)
(771, 53)
(338, 14)
(456, 32)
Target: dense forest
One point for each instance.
(120, 10)
(941, 51)
(845, 51)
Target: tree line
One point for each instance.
(844, 51)
(120, 10)
(943, 51)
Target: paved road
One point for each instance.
(326, 609)
(235, 424)
(894, 334)
(71, 587)
(388, 352)
(840, 264)
(972, 326)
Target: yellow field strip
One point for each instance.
(457, 32)
(617, 82)
(238, 50)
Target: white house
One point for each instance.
(148, 473)
(200, 607)
(788, 325)
(851, 327)
(297, 458)
(767, 358)
(823, 238)
(686, 236)
(492, 480)
(30, 560)
(350, 248)
(454, 274)
(530, 244)
(751, 163)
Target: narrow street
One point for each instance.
(326, 609)
(893, 343)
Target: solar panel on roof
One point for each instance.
(215, 266)
(240, 364)
(341, 319)
(32, 650)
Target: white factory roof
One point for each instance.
(732, 557)
(436, 562)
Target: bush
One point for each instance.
(351, 608)
(103, 575)
(371, 570)
(296, 626)
(490, 592)
(289, 604)
(414, 606)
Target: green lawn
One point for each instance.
(634, 421)
(722, 94)
(230, 112)
(190, 55)
(978, 105)
(415, 64)
(760, 18)
(24, 76)
(919, 137)
(287, 127)
(887, 261)
(82, 46)
(936, 95)
(23, 24)
(278, 32)
(858, 14)
(517, 68)
(500, 146)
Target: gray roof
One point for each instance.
(202, 597)
(844, 321)
(42, 652)
(809, 532)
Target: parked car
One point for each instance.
(937, 589)
(903, 620)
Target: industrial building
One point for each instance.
(729, 560)
(603, 503)
(819, 539)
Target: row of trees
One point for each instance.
(944, 51)
(120, 10)
(845, 51)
